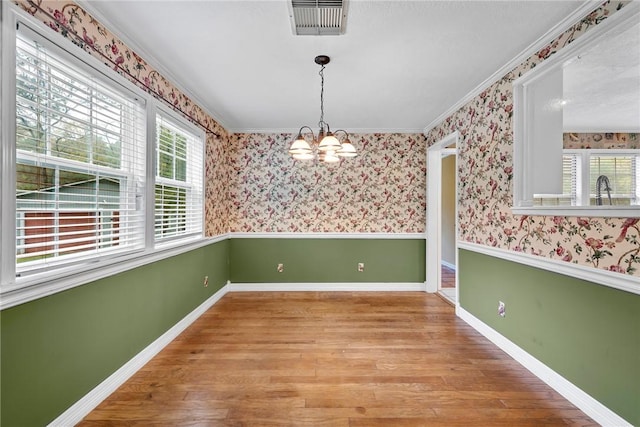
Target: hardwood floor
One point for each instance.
(333, 359)
(447, 277)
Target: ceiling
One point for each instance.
(398, 66)
(601, 86)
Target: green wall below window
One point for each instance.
(588, 333)
(327, 260)
(58, 348)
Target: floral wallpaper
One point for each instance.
(627, 141)
(253, 185)
(83, 30)
(485, 168)
(381, 190)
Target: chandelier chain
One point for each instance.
(321, 123)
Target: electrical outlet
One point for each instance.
(502, 311)
(280, 268)
(361, 267)
(206, 281)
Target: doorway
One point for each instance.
(442, 218)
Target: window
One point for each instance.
(597, 177)
(556, 97)
(179, 182)
(80, 144)
(613, 179)
(86, 187)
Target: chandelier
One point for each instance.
(328, 147)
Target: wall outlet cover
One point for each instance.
(501, 309)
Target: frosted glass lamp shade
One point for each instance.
(329, 142)
(330, 157)
(303, 156)
(347, 149)
(300, 146)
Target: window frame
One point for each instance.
(17, 290)
(524, 169)
(183, 125)
(97, 83)
(581, 188)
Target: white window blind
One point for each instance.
(80, 149)
(179, 187)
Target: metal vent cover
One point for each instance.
(317, 17)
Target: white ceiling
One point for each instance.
(399, 65)
(602, 86)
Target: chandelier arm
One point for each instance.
(310, 131)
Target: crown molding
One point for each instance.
(151, 60)
(349, 130)
(584, 9)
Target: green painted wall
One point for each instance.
(56, 349)
(327, 260)
(588, 333)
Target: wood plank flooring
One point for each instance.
(447, 277)
(333, 359)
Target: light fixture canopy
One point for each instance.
(327, 147)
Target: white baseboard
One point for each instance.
(448, 265)
(326, 287)
(82, 407)
(587, 404)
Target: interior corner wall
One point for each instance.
(485, 178)
(586, 332)
(58, 348)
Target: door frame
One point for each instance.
(433, 263)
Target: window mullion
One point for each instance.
(8, 148)
(56, 212)
(152, 161)
(583, 179)
(636, 179)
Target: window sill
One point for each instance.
(38, 286)
(586, 211)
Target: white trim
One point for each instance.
(76, 412)
(587, 404)
(448, 265)
(526, 122)
(601, 277)
(49, 283)
(351, 131)
(583, 9)
(327, 287)
(398, 236)
(604, 211)
(434, 208)
(8, 138)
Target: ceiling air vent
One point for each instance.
(318, 17)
